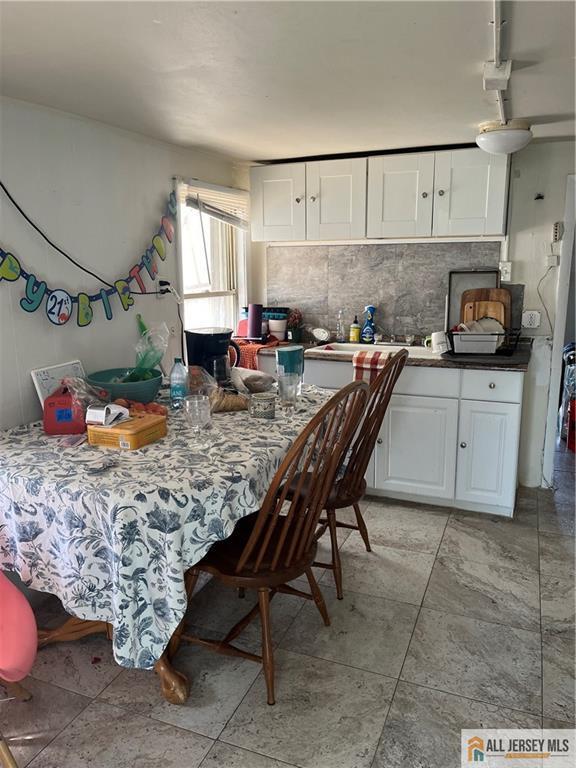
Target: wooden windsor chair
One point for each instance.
(350, 488)
(278, 543)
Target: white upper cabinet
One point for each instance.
(469, 193)
(400, 195)
(461, 192)
(278, 202)
(336, 199)
(309, 201)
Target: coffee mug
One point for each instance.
(437, 341)
(262, 405)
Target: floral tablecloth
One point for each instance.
(114, 543)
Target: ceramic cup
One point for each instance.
(262, 405)
(437, 341)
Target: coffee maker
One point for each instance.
(208, 347)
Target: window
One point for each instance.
(212, 254)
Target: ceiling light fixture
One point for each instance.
(503, 139)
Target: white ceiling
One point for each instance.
(264, 80)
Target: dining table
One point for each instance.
(112, 533)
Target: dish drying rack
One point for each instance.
(464, 343)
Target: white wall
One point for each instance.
(541, 168)
(99, 193)
(255, 252)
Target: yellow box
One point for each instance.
(135, 433)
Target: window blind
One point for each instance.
(223, 203)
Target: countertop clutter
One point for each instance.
(421, 356)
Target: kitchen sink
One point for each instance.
(336, 348)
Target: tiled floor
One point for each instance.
(454, 620)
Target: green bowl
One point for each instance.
(140, 391)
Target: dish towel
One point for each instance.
(249, 351)
(367, 364)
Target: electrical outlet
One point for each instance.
(531, 318)
(172, 329)
(506, 271)
(160, 279)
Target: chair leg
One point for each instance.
(267, 651)
(6, 757)
(336, 563)
(318, 596)
(362, 528)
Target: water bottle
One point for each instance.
(340, 328)
(178, 383)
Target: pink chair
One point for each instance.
(18, 644)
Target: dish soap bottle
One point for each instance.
(178, 384)
(368, 329)
(355, 331)
(340, 330)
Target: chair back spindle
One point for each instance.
(367, 432)
(285, 527)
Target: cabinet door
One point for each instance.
(488, 452)
(278, 202)
(336, 199)
(416, 448)
(400, 195)
(470, 193)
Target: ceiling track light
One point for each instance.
(500, 137)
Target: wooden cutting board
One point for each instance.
(475, 310)
(487, 295)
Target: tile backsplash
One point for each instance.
(407, 283)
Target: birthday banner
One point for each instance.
(59, 304)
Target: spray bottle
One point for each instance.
(368, 329)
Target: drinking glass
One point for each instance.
(288, 384)
(290, 359)
(197, 413)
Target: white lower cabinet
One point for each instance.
(488, 438)
(416, 448)
(449, 436)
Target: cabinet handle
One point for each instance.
(379, 441)
(441, 192)
(298, 199)
(424, 195)
(491, 385)
(463, 445)
(313, 198)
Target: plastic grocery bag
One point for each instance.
(150, 349)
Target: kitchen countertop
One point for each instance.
(516, 362)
